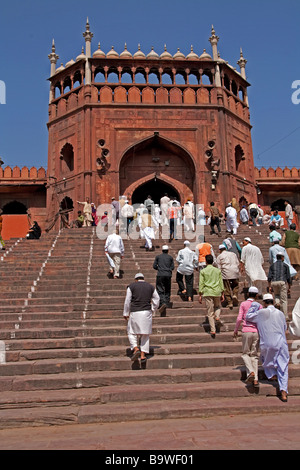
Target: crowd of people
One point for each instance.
(262, 316)
(179, 218)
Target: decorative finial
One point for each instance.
(214, 43)
(213, 39)
(242, 64)
(87, 34)
(53, 57)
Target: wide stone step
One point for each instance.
(155, 410)
(113, 347)
(62, 366)
(135, 392)
(69, 320)
(80, 379)
(15, 347)
(85, 330)
(168, 361)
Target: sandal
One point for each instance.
(135, 355)
(250, 378)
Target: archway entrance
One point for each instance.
(66, 206)
(155, 166)
(279, 205)
(156, 188)
(15, 207)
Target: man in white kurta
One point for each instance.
(294, 327)
(274, 349)
(164, 205)
(141, 301)
(252, 264)
(114, 250)
(148, 224)
(231, 219)
(87, 212)
(188, 217)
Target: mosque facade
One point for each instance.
(139, 124)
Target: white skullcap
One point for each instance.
(165, 247)
(253, 290)
(268, 297)
(139, 275)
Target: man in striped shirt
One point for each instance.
(279, 278)
(250, 337)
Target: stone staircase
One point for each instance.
(64, 349)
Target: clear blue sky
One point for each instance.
(267, 30)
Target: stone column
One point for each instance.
(242, 64)
(214, 44)
(88, 40)
(53, 57)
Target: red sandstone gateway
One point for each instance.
(137, 124)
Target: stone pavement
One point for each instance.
(233, 432)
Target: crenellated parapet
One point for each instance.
(278, 173)
(23, 175)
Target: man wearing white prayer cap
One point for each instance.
(229, 264)
(252, 264)
(187, 261)
(274, 349)
(250, 337)
(164, 265)
(279, 280)
(141, 301)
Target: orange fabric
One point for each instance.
(204, 249)
(173, 212)
(14, 226)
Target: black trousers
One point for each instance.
(173, 223)
(163, 287)
(189, 280)
(215, 221)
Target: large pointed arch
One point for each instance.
(181, 189)
(160, 158)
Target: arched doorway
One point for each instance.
(14, 207)
(279, 205)
(66, 206)
(156, 188)
(154, 166)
